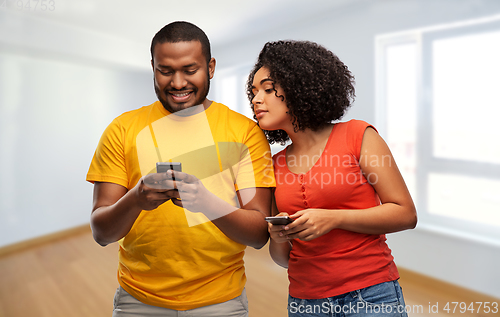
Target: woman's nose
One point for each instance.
(257, 99)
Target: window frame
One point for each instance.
(427, 162)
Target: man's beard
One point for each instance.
(169, 107)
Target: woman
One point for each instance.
(338, 182)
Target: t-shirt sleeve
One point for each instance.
(108, 163)
(355, 132)
(258, 170)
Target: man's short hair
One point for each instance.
(181, 31)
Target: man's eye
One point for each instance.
(165, 73)
(191, 72)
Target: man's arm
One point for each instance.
(112, 215)
(115, 208)
(248, 225)
(245, 225)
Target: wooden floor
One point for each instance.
(74, 277)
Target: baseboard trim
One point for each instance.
(30, 243)
(456, 291)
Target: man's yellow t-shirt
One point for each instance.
(172, 257)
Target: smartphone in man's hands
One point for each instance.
(162, 167)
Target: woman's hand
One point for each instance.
(277, 232)
(310, 224)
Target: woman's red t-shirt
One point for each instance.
(339, 261)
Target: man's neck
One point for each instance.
(191, 111)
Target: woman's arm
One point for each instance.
(396, 212)
(279, 245)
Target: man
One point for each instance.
(182, 235)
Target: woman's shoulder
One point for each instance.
(352, 130)
(354, 124)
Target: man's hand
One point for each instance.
(155, 189)
(245, 225)
(195, 197)
(115, 208)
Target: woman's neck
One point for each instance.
(306, 149)
(304, 141)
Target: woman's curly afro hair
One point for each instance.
(318, 87)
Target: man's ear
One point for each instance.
(211, 67)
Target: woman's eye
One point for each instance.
(270, 90)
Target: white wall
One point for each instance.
(350, 33)
(59, 88)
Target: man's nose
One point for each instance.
(178, 81)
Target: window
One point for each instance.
(438, 103)
(229, 88)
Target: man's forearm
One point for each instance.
(116, 208)
(112, 221)
(247, 224)
(244, 226)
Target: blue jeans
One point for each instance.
(384, 299)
